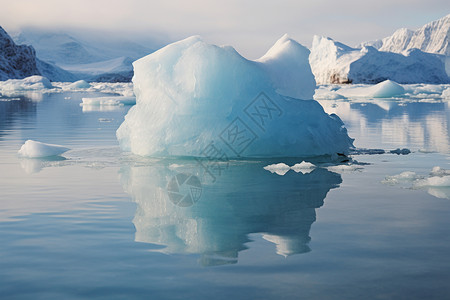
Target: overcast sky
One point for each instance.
(250, 26)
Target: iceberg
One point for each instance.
(201, 100)
(34, 149)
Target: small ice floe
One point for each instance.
(399, 151)
(303, 167)
(34, 82)
(433, 181)
(404, 177)
(385, 89)
(112, 100)
(34, 149)
(438, 171)
(78, 85)
(280, 168)
(446, 94)
(437, 183)
(344, 168)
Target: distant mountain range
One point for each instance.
(19, 61)
(92, 57)
(433, 37)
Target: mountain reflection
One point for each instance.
(392, 124)
(245, 199)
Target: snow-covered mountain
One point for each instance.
(92, 57)
(63, 48)
(334, 62)
(16, 61)
(113, 70)
(433, 37)
(19, 61)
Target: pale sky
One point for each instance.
(249, 26)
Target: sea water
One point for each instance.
(97, 223)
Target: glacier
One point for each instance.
(333, 62)
(193, 98)
(432, 37)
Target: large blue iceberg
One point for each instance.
(201, 100)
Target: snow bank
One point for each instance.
(111, 100)
(191, 94)
(35, 82)
(34, 149)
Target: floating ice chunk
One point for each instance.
(303, 167)
(403, 177)
(446, 94)
(385, 89)
(35, 82)
(438, 171)
(344, 168)
(34, 149)
(434, 181)
(190, 94)
(280, 168)
(77, 85)
(112, 100)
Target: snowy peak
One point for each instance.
(433, 37)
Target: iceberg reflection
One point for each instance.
(216, 221)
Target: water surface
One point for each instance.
(102, 224)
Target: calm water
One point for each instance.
(101, 224)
